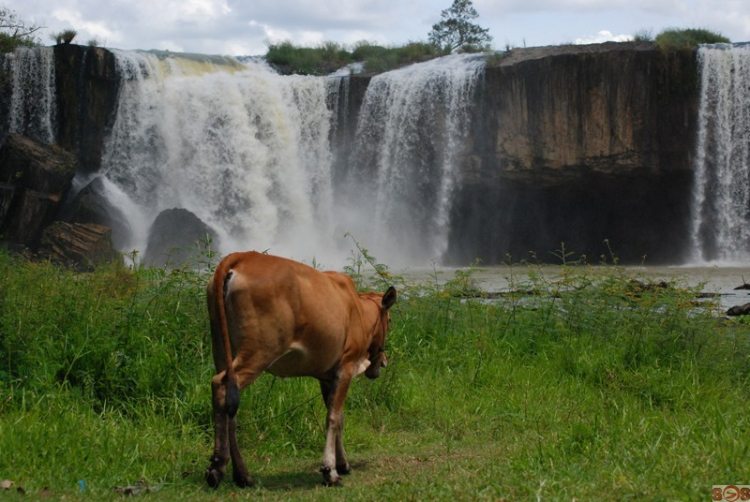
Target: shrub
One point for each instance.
(385, 59)
(643, 36)
(15, 32)
(364, 50)
(321, 60)
(64, 37)
(673, 39)
(9, 43)
(330, 56)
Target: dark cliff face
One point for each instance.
(87, 87)
(578, 145)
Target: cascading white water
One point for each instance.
(721, 201)
(247, 151)
(242, 148)
(410, 131)
(33, 98)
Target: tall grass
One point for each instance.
(573, 385)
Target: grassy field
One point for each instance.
(591, 387)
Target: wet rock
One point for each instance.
(739, 310)
(33, 179)
(81, 246)
(91, 205)
(174, 239)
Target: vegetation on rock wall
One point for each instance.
(15, 32)
(674, 39)
(331, 56)
(64, 36)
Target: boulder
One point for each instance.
(91, 205)
(81, 246)
(29, 213)
(33, 179)
(738, 310)
(174, 239)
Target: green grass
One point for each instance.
(583, 387)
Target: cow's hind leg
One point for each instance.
(220, 457)
(247, 373)
(240, 474)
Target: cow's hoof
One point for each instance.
(343, 469)
(242, 480)
(213, 477)
(331, 482)
(330, 478)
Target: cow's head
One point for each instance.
(376, 350)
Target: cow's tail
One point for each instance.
(221, 281)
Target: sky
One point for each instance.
(239, 28)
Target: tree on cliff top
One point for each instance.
(14, 32)
(456, 30)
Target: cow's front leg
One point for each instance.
(342, 465)
(335, 398)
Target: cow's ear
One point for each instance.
(389, 298)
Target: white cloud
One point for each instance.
(603, 36)
(190, 10)
(86, 29)
(212, 26)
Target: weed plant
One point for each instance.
(587, 384)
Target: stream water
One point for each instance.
(712, 279)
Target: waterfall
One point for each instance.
(402, 175)
(244, 149)
(248, 152)
(32, 107)
(721, 200)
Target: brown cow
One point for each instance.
(272, 314)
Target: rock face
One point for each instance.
(174, 237)
(583, 146)
(87, 88)
(33, 179)
(565, 113)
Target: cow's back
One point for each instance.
(294, 317)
